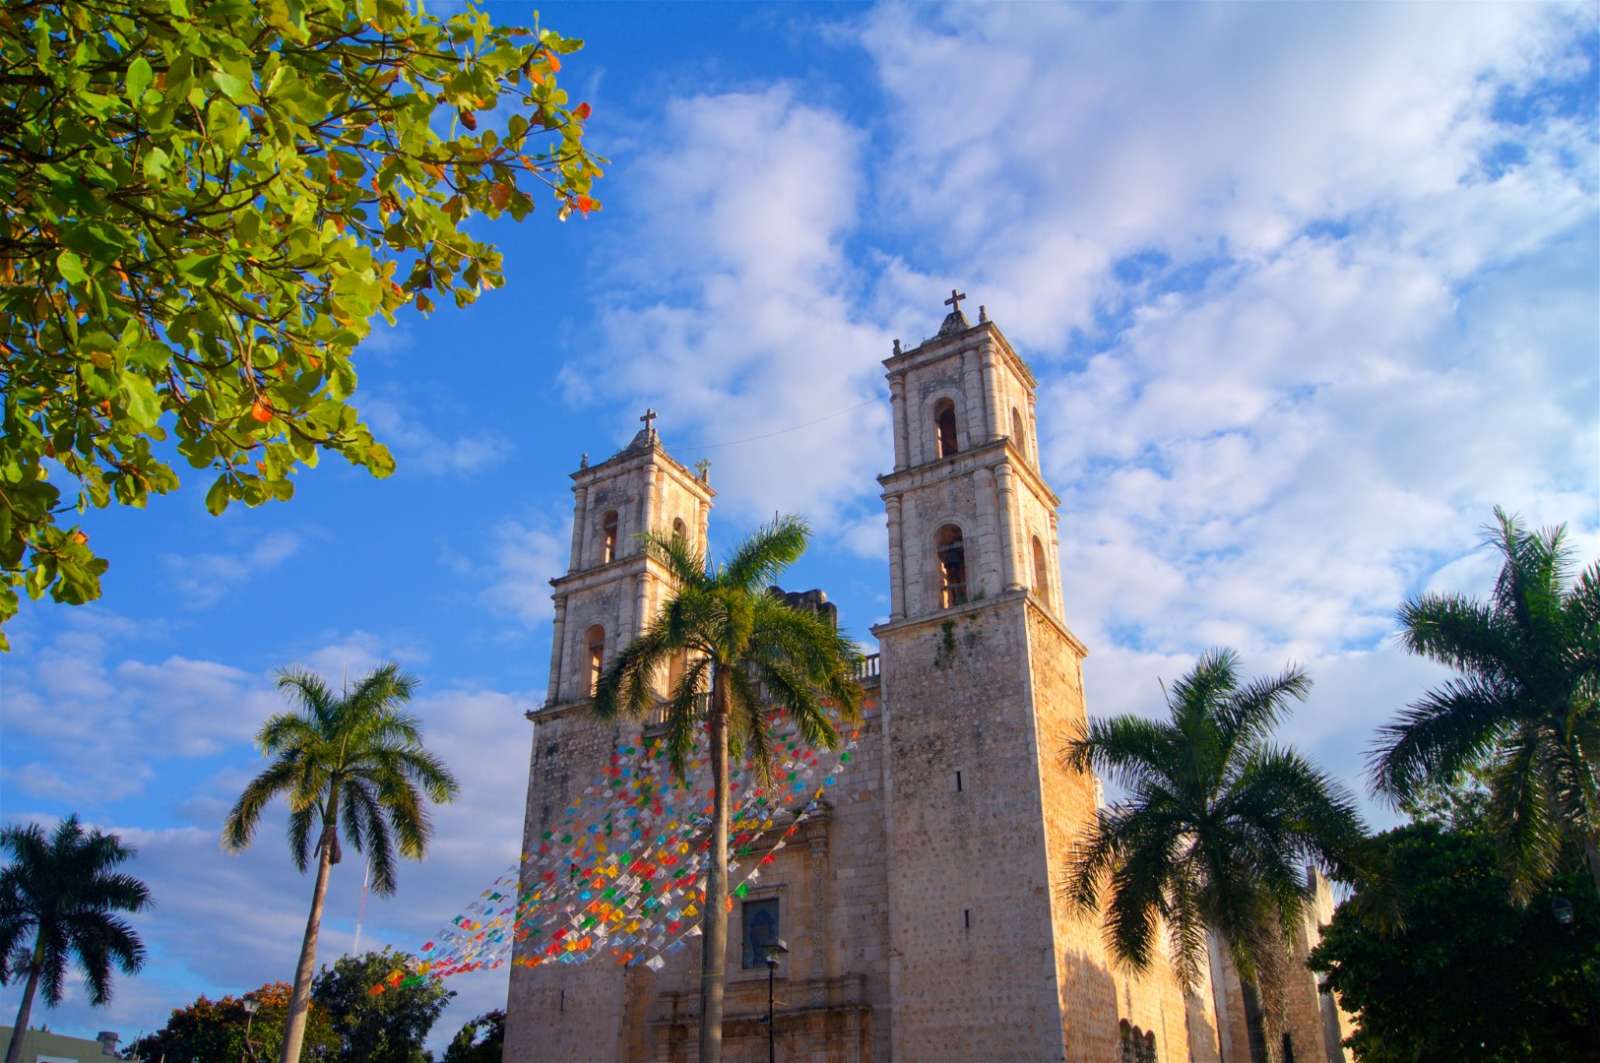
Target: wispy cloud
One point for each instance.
(418, 447)
(205, 579)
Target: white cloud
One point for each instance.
(417, 446)
(205, 579)
(524, 558)
(736, 312)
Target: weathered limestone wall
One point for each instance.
(559, 1012)
(972, 971)
(1314, 1021)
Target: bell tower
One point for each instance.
(983, 687)
(612, 589)
(970, 516)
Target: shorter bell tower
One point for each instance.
(611, 591)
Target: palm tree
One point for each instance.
(754, 653)
(63, 891)
(1526, 704)
(353, 755)
(1214, 829)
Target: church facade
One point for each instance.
(923, 907)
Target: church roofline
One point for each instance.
(940, 346)
(642, 452)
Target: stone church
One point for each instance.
(923, 908)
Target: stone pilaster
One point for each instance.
(897, 580)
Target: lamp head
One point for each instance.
(773, 950)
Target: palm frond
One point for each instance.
(1459, 632)
(762, 558)
(302, 821)
(681, 558)
(240, 826)
(312, 693)
(1438, 736)
(1132, 751)
(627, 688)
(1249, 715)
(1519, 808)
(379, 851)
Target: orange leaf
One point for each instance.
(583, 111)
(554, 60)
(260, 411)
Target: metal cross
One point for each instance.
(955, 300)
(649, 416)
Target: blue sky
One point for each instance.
(1308, 290)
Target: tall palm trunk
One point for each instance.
(714, 959)
(1255, 1021)
(294, 1028)
(14, 1051)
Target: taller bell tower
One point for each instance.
(983, 686)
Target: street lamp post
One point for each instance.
(773, 951)
(250, 1007)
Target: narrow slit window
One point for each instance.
(595, 643)
(958, 782)
(966, 918)
(944, 422)
(952, 555)
(1019, 435)
(1041, 574)
(608, 538)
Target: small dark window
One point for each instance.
(608, 538)
(760, 930)
(966, 918)
(958, 782)
(944, 421)
(595, 642)
(952, 554)
(1288, 1049)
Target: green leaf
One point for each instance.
(139, 77)
(71, 267)
(217, 497)
(144, 405)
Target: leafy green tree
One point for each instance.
(202, 207)
(1435, 962)
(753, 653)
(353, 755)
(481, 1040)
(224, 1031)
(62, 892)
(373, 1027)
(1214, 830)
(1526, 702)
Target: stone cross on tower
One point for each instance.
(955, 321)
(648, 419)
